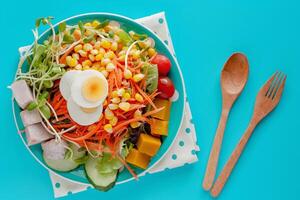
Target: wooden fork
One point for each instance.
(266, 100)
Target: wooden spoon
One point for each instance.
(233, 80)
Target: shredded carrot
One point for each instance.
(125, 123)
(63, 57)
(127, 166)
(145, 95)
(153, 111)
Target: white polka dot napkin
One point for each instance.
(183, 150)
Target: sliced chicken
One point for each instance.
(30, 117)
(36, 134)
(54, 150)
(22, 93)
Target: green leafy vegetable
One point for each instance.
(62, 27)
(103, 24)
(81, 160)
(151, 73)
(88, 39)
(68, 39)
(31, 106)
(46, 111)
(68, 154)
(124, 37)
(81, 27)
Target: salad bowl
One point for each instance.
(176, 113)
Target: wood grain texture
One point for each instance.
(266, 100)
(233, 79)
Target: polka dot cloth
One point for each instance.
(184, 148)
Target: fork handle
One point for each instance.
(215, 152)
(222, 179)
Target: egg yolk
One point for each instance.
(92, 89)
(88, 110)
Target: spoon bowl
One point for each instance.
(234, 74)
(233, 80)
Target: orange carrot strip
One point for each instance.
(153, 111)
(145, 95)
(63, 57)
(127, 166)
(125, 123)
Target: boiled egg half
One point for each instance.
(85, 92)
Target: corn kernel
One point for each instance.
(136, 54)
(105, 61)
(137, 113)
(86, 68)
(109, 54)
(96, 65)
(121, 58)
(92, 57)
(108, 114)
(88, 24)
(97, 45)
(151, 52)
(82, 53)
(135, 124)
(78, 48)
(98, 57)
(71, 62)
(86, 63)
(124, 106)
(120, 92)
(138, 77)
(113, 121)
(114, 94)
(126, 96)
(114, 46)
(139, 97)
(108, 128)
(94, 52)
(113, 106)
(87, 47)
(115, 100)
(127, 74)
(105, 44)
(110, 67)
(95, 23)
(76, 56)
(78, 67)
(105, 73)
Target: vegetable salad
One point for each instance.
(99, 94)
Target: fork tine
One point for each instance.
(276, 85)
(268, 85)
(273, 84)
(279, 90)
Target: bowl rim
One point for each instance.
(183, 107)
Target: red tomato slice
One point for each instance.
(163, 64)
(166, 87)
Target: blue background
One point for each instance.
(204, 33)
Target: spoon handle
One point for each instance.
(215, 151)
(222, 179)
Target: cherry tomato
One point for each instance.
(163, 64)
(166, 87)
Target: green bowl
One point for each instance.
(177, 109)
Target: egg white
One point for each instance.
(77, 85)
(83, 118)
(66, 82)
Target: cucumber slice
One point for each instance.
(65, 165)
(61, 165)
(101, 181)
